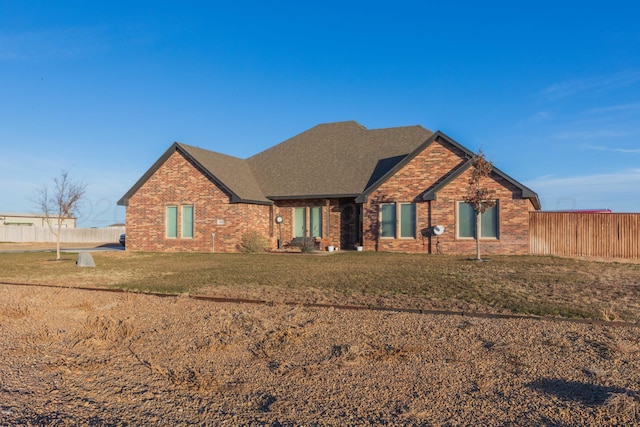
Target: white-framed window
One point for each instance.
(388, 220)
(315, 221)
(398, 219)
(172, 221)
(489, 222)
(187, 221)
(408, 220)
(300, 221)
(182, 215)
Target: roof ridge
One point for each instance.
(418, 126)
(341, 122)
(187, 146)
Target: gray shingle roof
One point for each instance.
(526, 192)
(232, 173)
(335, 159)
(342, 159)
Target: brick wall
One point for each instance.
(513, 227)
(177, 182)
(331, 221)
(422, 173)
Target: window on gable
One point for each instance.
(489, 222)
(390, 225)
(408, 220)
(388, 220)
(187, 221)
(172, 221)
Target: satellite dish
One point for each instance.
(438, 230)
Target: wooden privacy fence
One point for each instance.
(32, 234)
(588, 234)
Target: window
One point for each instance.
(408, 220)
(315, 221)
(489, 223)
(389, 226)
(299, 222)
(388, 220)
(172, 221)
(467, 222)
(187, 221)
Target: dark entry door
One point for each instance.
(350, 228)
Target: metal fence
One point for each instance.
(602, 235)
(32, 234)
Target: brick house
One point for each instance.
(343, 184)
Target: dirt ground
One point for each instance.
(77, 357)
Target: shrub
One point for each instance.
(308, 245)
(253, 242)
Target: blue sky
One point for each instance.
(550, 91)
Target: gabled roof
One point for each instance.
(406, 159)
(342, 159)
(526, 192)
(231, 174)
(334, 159)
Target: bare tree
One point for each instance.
(479, 197)
(60, 203)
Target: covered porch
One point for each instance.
(327, 222)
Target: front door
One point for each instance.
(350, 228)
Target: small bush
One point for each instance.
(308, 245)
(253, 242)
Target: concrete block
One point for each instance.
(85, 260)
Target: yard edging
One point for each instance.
(479, 315)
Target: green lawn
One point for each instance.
(547, 286)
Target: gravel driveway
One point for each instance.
(75, 357)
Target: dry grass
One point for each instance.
(104, 329)
(14, 311)
(537, 285)
(624, 407)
